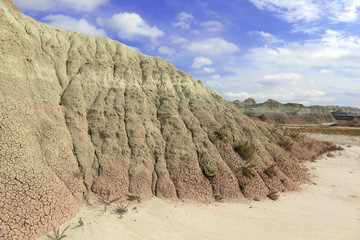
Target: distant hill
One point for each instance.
(291, 113)
(344, 112)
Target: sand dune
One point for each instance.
(326, 208)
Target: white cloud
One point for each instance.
(83, 5)
(333, 49)
(268, 37)
(73, 24)
(184, 20)
(214, 84)
(280, 78)
(166, 50)
(212, 46)
(199, 62)
(212, 26)
(130, 26)
(46, 5)
(178, 40)
(326, 71)
(308, 11)
(291, 11)
(209, 70)
(245, 95)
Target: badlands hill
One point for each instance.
(84, 118)
(345, 109)
(291, 113)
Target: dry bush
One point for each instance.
(218, 198)
(134, 198)
(223, 132)
(270, 171)
(121, 210)
(105, 198)
(247, 171)
(243, 185)
(209, 171)
(244, 149)
(57, 234)
(285, 143)
(273, 196)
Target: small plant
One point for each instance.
(273, 196)
(105, 198)
(285, 143)
(243, 185)
(209, 171)
(223, 132)
(247, 171)
(81, 222)
(121, 210)
(245, 150)
(57, 234)
(270, 171)
(218, 198)
(134, 198)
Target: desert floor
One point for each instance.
(326, 208)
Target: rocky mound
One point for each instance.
(83, 118)
(291, 113)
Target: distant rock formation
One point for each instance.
(291, 113)
(346, 109)
(84, 117)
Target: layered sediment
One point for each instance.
(291, 113)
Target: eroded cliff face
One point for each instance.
(291, 113)
(82, 116)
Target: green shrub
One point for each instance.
(273, 196)
(244, 149)
(243, 185)
(223, 132)
(209, 171)
(270, 171)
(247, 171)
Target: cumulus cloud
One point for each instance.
(209, 70)
(268, 37)
(166, 50)
(46, 5)
(212, 26)
(178, 40)
(333, 49)
(308, 11)
(184, 20)
(291, 11)
(73, 24)
(199, 62)
(130, 26)
(212, 46)
(245, 95)
(280, 78)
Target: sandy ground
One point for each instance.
(327, 208)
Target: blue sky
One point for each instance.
(305, 51)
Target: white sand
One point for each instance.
(328, 210)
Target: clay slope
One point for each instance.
(82, 117)
(291, 113)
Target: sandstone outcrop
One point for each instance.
(291, 113)
(83, 117)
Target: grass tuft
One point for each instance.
(247, 171)
(134, 198)
(273, 196)
(270, 171)
(209, 171)
(244, 149)
(121, 210)
(57, 234)
(223, 132)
